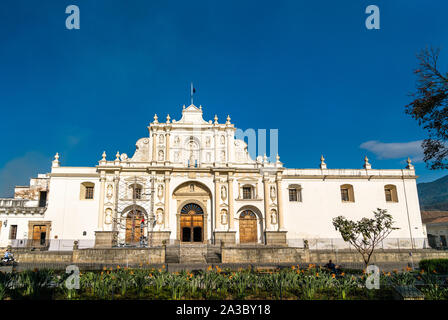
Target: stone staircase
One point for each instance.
(172, 254)
(193, 253)
(213, 254)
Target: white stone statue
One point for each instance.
(159, 217)
(160, 191)
(207, 142)
(223, 192)
(224, 217)
(110, 191)
(176, 140)
(273, 217)
(161, 155)
(273, 194)
(161, 139)
(108, 219)
(223, 140)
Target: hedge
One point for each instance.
(437, 265)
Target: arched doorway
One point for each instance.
(248, 227)
(192, 223)
(134, 226)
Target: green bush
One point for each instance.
(437, 265)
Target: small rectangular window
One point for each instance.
(247, 193)
(137, 193)
(388, 193)
(344, 194)
(13, 232)
(89, 192)
(43, 199)
(293, 195)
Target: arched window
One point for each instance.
(390, 191)
(347, 194)
(295, 193)
(86, 191)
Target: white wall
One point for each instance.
(321, 202)
(69, 215)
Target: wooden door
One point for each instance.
(192, 223)
(133, 227)
(39, 235)
(248, 227)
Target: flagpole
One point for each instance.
(191, 92)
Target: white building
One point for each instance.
(192, 181)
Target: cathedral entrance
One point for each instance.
(248, 227)
(134, 226)
(192, 223)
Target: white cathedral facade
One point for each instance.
(191, 181)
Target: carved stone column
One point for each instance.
(280, 204)
(101, 206)
(117, 195)
(231, 199)
(154, 148)
(167, 202)
(167, 155)
(216, 148)
(217, 197)
(266, 203)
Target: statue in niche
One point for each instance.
(224, 217)
(191, 160)
(273, 217)
(223, 140)
(207, 142)
(176, 156)
(108, 219)
(176, 140)
(273, 195)
(161, 139)
(159, 217)
(160, 191)
(223, 193)
(110, 191)
(161, 155)
(223, 156)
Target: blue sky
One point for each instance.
(310, 69)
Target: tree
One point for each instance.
(366, 233)
(430, 108)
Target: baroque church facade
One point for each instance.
(192, 181)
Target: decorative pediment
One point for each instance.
(192, 115)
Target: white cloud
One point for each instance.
(395, 150)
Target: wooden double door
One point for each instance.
(248, 227)
(192, 223)
(134, 226)
(39, 235)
